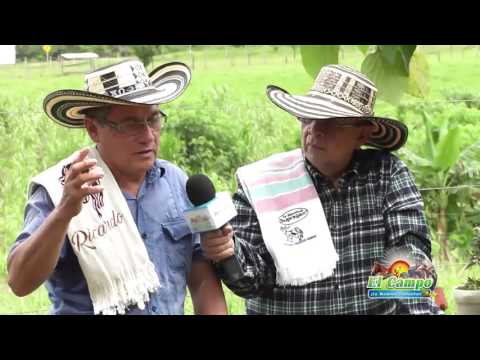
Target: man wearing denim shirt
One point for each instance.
(120, 113)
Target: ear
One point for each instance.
(92, 129)
(365, 133)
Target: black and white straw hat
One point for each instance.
(125, 83)
(341, 92)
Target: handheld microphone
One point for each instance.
(211, 212)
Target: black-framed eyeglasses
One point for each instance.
(135, 127)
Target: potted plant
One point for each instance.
(467, 296)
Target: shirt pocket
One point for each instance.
(179, 243)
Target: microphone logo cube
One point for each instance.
(211, 215)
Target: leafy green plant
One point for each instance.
(217, 134)
(443, 161)
(469, 99)
(395, 69)
(473, 282)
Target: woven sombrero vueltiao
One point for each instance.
(341, 92)
(125, 83)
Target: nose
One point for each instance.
(147, 134)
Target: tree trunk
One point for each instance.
(443, 233)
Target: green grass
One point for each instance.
(456, 70)
(235, 304)
(36, 303)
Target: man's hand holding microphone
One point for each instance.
(218, 244)
(209, 217)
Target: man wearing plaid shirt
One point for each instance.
(369, 199)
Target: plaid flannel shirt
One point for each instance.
(377, 207)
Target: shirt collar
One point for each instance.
(155, 172)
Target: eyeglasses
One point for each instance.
(135, 127)
(339, 123)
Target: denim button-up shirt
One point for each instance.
(158, 213)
